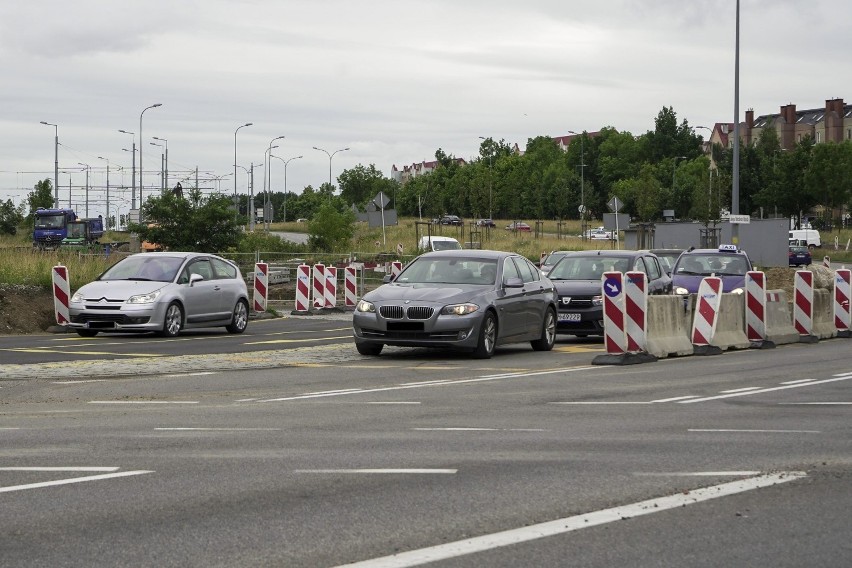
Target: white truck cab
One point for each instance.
(805, 237)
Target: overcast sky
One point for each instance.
(391, 80)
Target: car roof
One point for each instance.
(610, 253)
(471, 253)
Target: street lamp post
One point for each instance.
(107, 190)
(141, 171)
(87, 187)
(490, 178)
(582, 182)
(133, 182)
(162, 166)
(236, 206)
(248, 182)
(330, 156)
(166, 165)
(252, 212)
(55, 163)
(285, 180)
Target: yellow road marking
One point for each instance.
(578, 349)
(297, 340)
(61, 352)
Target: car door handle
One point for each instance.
(217, 288)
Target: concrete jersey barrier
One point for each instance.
(824, 327)
(730, 328)
(669, 320)
(779, 319)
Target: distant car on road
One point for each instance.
(519, 226)
(486, 223)
(163, 292)
(800, 256)
(577, 277)
(471, 300)
(600, 234)
(450, 220)
(726, 262)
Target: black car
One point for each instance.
(577, 278)
(486, 223)
(800, 256)
(450, 220)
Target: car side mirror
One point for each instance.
(193, 278)
(387, 278)
(513, 283)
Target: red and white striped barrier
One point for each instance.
(542, 258)
(842, 295)
(330, 286)
(635, 309)
(396, 269)
(319, 285)
(303, 287)
(350, 286)
(709, 299)
(615, 336)
(755, 305)
(803, 303)
(261, 286)
(61, 294)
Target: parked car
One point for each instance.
(486, 223)
(434, 242)
(577, 277)
(599, 234)
(471, 300)
(726, 262)
(518, 226)
(667, 257)
(450, 220)
(800, 256)
(551, 259)
(163, 292)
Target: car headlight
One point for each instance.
(737, 291)
(148, 298)
(459, 309)
(597, 300)
(77, 298)
(365, 306)
(680, 290)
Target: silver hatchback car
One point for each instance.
(162, 292)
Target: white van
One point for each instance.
(428, 244)
(805, 237)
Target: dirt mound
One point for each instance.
(25, 309)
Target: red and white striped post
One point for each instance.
(842, 295)
(803, 304)
(61, 294)
(635, 309)
(826, 262)
(303, 288)
(542, 258)
(755, 306)
(615, 336)
(330, 286)
(261, 286)
(706, 317)
(319, 285)
(350, 286)
(396, 269)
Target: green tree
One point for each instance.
(192, 223)
(11, 217)
(40, 196)
(360, 185)
(829, 175)
(331, 230)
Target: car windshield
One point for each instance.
(437, 270)
(49, 221)
(553, 258)
(799, 249)
(587, 267)
(707, 264)
(144, 267)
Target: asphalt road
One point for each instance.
(327, 458)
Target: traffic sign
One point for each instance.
(614, 204)
(740, 219)
(612, 287)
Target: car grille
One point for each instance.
(574, 302)
(413, 312)
(114, 318)
(410, 335)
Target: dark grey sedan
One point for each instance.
(162, 292)
(471, 300)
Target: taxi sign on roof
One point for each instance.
(728, 248)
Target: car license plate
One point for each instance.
(569, 317)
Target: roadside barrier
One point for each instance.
(61, 294)
(668, 325)
(803, 305)
(823, 317)
(396, 269)
(826, 262)
(261, 286)
(755, 307)
(842, 295)
(615, 337)
(779, 326)
(625, 305)
(730, 327)
(706, 315)
(635, 309)
(350, 287)
(303, 288)
(330, 287)
(319, 285)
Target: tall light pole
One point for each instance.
(107, 191)
(166, 167)
(236, 206)
(133, 182)
(87, 187)
(141, 171)
(490, 176)
(285, 180)
(267, 174)
(330, 156)
(735, 185)
(252, 212)
(162, 166)
(248, 183)
(268, 162)
(582, 181)
(55, 163)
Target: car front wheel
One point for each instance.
(548, 333)
(240, 320)
(487, 337)
(369, 348)
(86, 332)
(173, 320)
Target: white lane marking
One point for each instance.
(72, 480)
(198, 374)
(813, 403)
(79, 382)
(450, 383)
(692, 473)
(602, 402)
(798, 382)
(569, 524)
(337, 391)
(178, 429)
(416, 471)
(464, 429)
(247, 399)
(143, 402)
(387, 403)
(435, 382)
(90, 469)
(771, 389)
(16, 428)
(744, 389)
(674, 398)
(754, 430)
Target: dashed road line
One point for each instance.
(57, 482)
